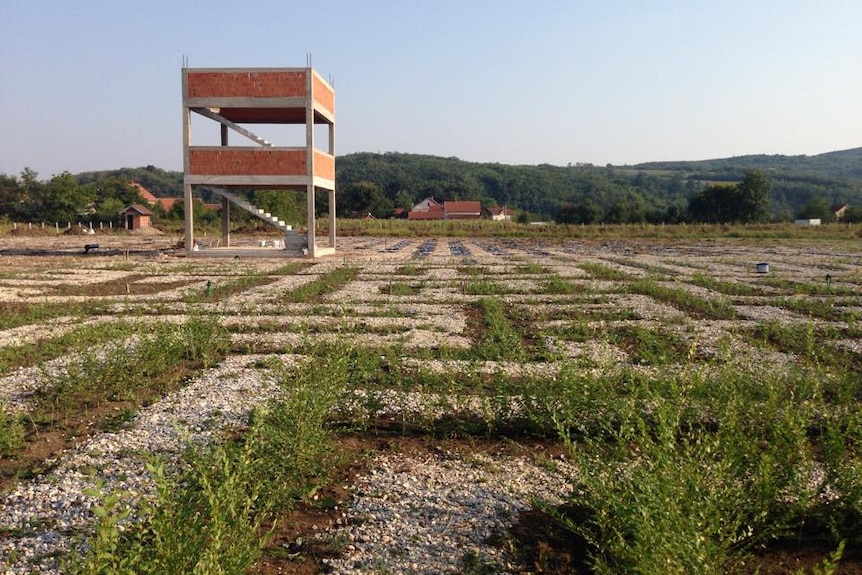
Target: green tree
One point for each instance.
(289, 205)
(853, 215)
(714, 204)
(753, 197)
(65, 200)
(817, 208)
(363, 198)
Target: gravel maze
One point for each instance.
(597, 306)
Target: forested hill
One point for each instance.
(844, 164)
(656, 191)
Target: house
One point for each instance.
(151, 200)
(839, 210)
(503, 214)
(428, 204)
(136, 217)
(427, 209)
(430, 209)
(462, 210)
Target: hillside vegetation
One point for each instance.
(659, 192)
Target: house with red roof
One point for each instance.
(151, 200)
(503, 214)
(430, 209)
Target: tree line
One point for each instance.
(746, 189)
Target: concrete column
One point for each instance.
(332, 191)
(189, 211)
(332, 219)
(225, 203)
(187, 188)
(312, 225)
(225, 222)
(309, 153)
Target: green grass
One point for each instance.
(498, 339)
(398, 288)
(692, 473)
(327, 283)
(531, 268)
(221, 290)
(725, 287)
(650, 346)
(14, 314)
(481, 287)
(684, 300)
(604, 272)
(209, 518)
(558, 286)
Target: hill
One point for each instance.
(653, 191)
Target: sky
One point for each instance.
(95, 84)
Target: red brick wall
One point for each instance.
(248, 161)
(324, 165)
(246, 84)
(323, 94)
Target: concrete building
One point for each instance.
(234, 97)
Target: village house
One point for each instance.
(839, 210)
(151, 200)
(503, 214)
(430, 209)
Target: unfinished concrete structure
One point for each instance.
(237, 96)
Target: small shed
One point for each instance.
(136, 217)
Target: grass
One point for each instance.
(684, 464)
(604, 272)
(691, 474)
(398, 288)
(684, 300)
(498, 338)
(14, 314)
(209, 518)
(130, 369)
(725, 287)
(327, 283)
(219, 291)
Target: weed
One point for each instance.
(685, 300)
(11, 432)
(604, 272)
(327, 283)
(558, 285)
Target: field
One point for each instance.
(433, 405)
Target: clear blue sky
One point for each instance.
(95, 84)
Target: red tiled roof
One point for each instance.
(137, 208)
(144, 193)
(429, 215)
(462, 208)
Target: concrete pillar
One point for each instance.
(225, 222)
(189, 211)
(332, 219)
(187, 188)
(332, 191)
(309, 163)
(225, 203)
(312, 225)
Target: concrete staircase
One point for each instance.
(212, 115)
(292, 240)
